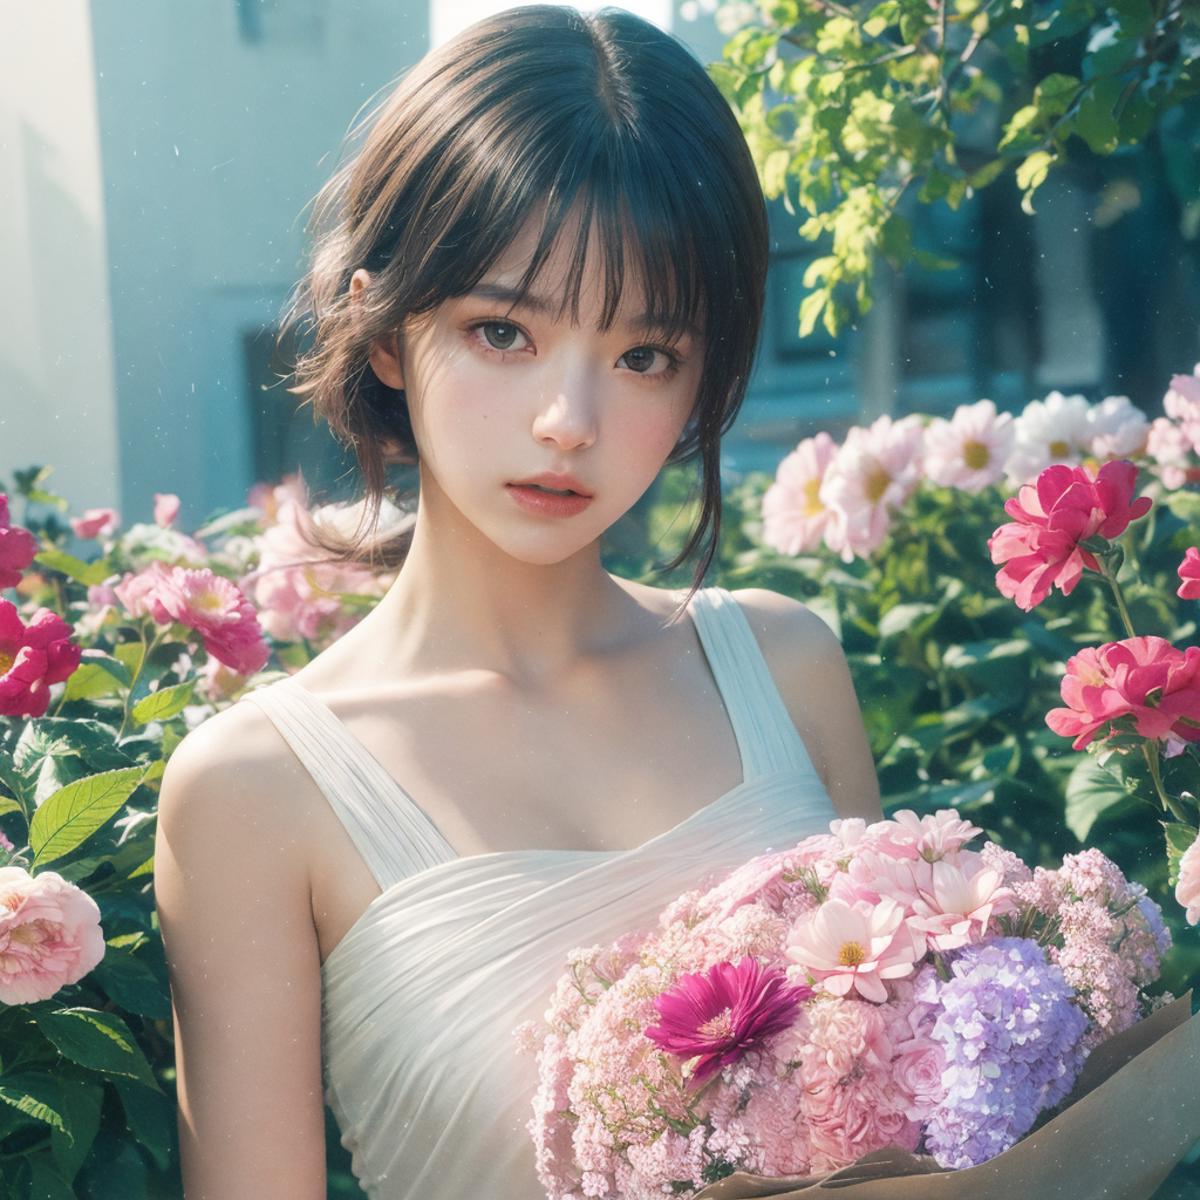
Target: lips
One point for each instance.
(554, 482)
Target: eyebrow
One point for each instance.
(541, 304)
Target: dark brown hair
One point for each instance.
(536, 109)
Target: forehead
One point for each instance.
(576, 277)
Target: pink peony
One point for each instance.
(1066, 505)
(95, 522)
(856, 946)
(1189, 573)
(50, 935)
(166, 509)
(32, 657)
(969, 450)
(715, 1017)
(17, 548)
(1187, 890)
(794, 515)
(1145, 678)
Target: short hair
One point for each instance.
(538, 109)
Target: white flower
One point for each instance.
(1118, 429)
(1049, 431)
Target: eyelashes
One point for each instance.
(481, 340)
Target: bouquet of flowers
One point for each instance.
(876, 988)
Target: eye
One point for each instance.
(641, 359)
(498, 336)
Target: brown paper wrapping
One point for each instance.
(1133, 1114)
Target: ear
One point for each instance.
(384, 355)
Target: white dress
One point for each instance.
(420, 996)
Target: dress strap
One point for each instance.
(391, 832)
(766, 736)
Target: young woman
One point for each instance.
(541, 279)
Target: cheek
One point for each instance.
(647, 434)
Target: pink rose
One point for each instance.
(141, 595)
(17, 548)
(917, 1071)
(1063, 507)
(50, 935)
(32, 657)
(1143, 677)
(1189, 572)
(1187, 890)
(95, 522)
(166, 508)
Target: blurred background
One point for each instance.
(157, 161)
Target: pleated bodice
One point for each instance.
(420, 996)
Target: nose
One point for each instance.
(568, 415)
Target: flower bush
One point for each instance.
(105, 663)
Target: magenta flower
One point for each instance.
(17, 548)
(1145, 678)
(32, 657)
(1066, 505)
(1189, 575)
(715, 1017)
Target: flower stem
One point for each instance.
(1150, 752)
(1119, 596)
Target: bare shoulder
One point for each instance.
(232, 896)
(809, 667)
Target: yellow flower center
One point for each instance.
(851, 954)
(976, 455)
(877, 484)
(1060, 449)
(6, 662)
(718, 1027)
(207, 602)
(812, 498)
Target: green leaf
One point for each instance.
(100, 1041)
(89, 574)
(1095, 119)
(1054, 94)
(69, 817)
(132, 984)
(1092, 791)
(97, 675)
(47, 1183)
(1179, 838)
(82, 1102)
(901, 617)
(150, 1120)
(164, 703)
(34, 1095)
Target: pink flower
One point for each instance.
(969, 451)
(856, 946)
(1066, 505)
(930, 837)
(1145, 678)
(957, 900)
(141, 594)
(17, 548)
(50, 935)
(874, 471)
(1187, 890)
(95, 522)
(204, 601)
(1182, 404)
(794, 515)
(32, 657)
(718, 1015)
(166, 508)
(1171, 449)
(1189, 572)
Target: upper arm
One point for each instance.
(234, 909)
(810, 670)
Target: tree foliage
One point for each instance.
(850, 107)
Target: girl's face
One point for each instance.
(498, 394)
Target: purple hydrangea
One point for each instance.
(1012, 1039)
